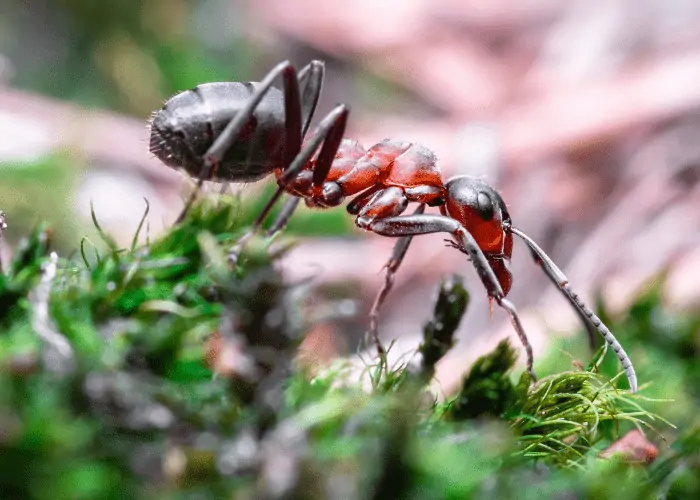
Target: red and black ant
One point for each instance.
(242, 132)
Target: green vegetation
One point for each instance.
(35, 191)
(128, 55)
(24, 194)
(159, 372)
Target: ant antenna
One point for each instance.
(562, 283)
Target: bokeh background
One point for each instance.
(585, 114)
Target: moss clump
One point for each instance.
(160, 371)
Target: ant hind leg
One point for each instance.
(293, 135)
(328, 135)
(311, 80)
(290, 205)
(229, 135)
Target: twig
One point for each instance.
(3, 226)
(58, 354)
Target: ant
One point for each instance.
(243, 132)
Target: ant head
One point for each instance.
(482, 211)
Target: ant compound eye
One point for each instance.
(485, 206)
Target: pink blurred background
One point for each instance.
(584, 114)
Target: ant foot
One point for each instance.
(235, 251)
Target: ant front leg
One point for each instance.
(413, 225)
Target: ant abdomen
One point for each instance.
(189, 123)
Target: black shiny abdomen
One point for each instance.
(189, 122)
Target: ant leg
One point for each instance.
(280, 221)
(328, 151)
(236, 249)
(313, 72)
(397, 255)
(330, 132)
(304, 107)
(287, 210)
(293, 124)
(3, 226)
(293, 134)
(562, 282)
(413, 225)
(361, 200)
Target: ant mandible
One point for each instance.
(242, 132)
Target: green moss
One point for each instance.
(135, 409)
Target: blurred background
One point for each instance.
(585, 114)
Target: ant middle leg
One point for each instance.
(413, 225)
(392, 266)
(380, 202)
